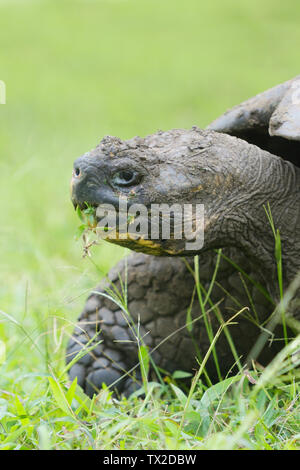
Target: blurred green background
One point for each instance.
(78, 70)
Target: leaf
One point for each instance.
(60, 397)
(79, 213)
(278, 246)
(181, 374)
(2, 352)
(144, 364)
(215, 392)
(71, 392)
(80, 231)
(22, 414)
(84, 401)
(179, 394)
(172, 427)
(44, 437)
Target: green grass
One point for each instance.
(74, 72)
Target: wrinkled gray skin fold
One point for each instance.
(235, 181)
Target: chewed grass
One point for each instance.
(87, 230)
(87, 217)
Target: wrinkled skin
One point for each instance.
(234, 180)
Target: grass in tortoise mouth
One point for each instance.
(90, 232)
(88, 220)
(88, 228)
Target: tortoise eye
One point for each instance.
(125, 178)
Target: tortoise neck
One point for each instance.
(273, 216)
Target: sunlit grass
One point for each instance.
(75, 71)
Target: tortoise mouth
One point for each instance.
(150, 247)
(120, 232)
(85, 195)
(83, 206)
(147, 238)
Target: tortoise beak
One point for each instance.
(76, 184)
(88, 186)
(84, 182)
(73, 199)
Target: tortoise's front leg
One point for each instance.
(159, 291)
(155, 300)
(159, 294)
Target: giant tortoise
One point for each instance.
(244, 170)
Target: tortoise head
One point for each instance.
(194, 172)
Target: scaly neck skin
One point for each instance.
(243, 222)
